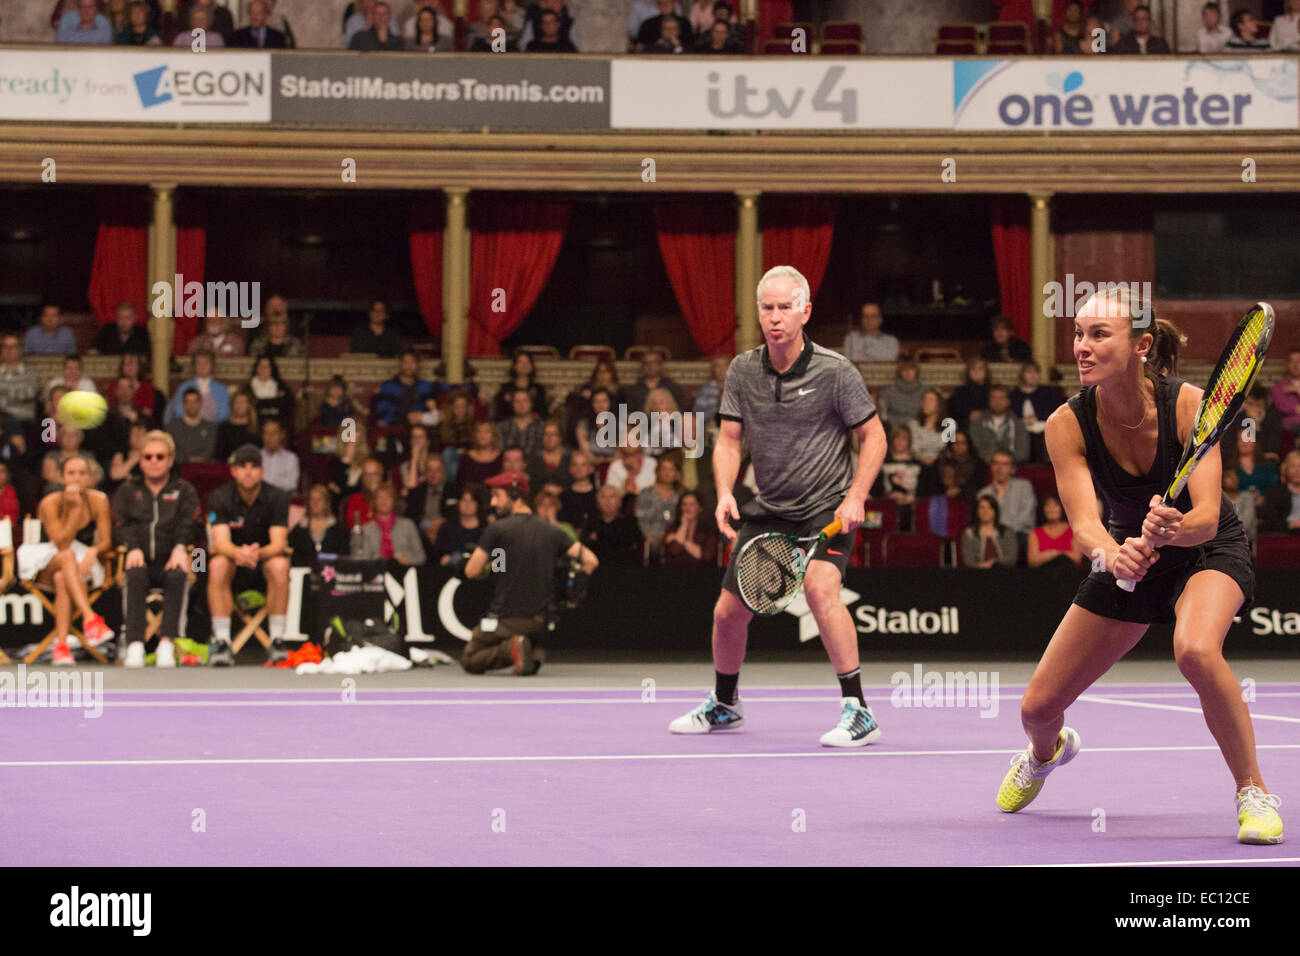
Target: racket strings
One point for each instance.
(1234, 376)
(768, 574)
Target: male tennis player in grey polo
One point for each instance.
(797, 405)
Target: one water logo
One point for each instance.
(153, 86)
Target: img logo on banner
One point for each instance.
(1091, 93)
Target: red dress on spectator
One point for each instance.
(1061, 542)
(9, 508)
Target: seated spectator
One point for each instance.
(538, 36)
(961, 473)
(375, 337)
(656, 505)
(124, 335)
(50, 336)
(379, 36)
(614, 536)
(387, 534)
(670, 38)
(1245, 34)
(550, 463)
(985, 542)
(85, 26)
(9, 507)
(201, 19)
(651, 30)
(1015, 497)
(319, 531)
(1071, 38)
(194, 436)
(1034, 401)
(643, 10)
(522, 428)
(219, 337)
(148, 399)
(708, 395)
(1285, 32)
(220, 18)
(652, 377)
(900, 401)
(18, 388)
(1243, 502)
(241, 428)
(717, 40)
(999, 430)
(357, 18)
(1213, 36)
(902, 478)
(216, 397)
(867, 343)
(279, 464)
(407, 399)
(433, 500)
(482, 460)
(250, 532)
(276, 341)
(692, 539)
(1094, 36)
(1005, 347)
(1142, 41)
(484, 33)
(259, 34)
(336, 406)
(577, 404)
(357, 509)
(1286, 393)
(351, 452)
(409, 472)
(633, 472)
(969, 400)
(1053, 538)
(546, 505)
(1122, 25)
(578, 499)
(137, 31)
(1281, 511)
(78, 524)
(428, 36)
(927, 428)
(457, 430)
(457, 535)
(125, 465)
(273, 398)
(513, 461)
(589, 431)
(122, 414)
(156, 518)
(72, 378)
(116, 12)
(523, 375)
(1255, 473)
(1265, 419)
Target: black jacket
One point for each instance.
(1277, 508)
(156, 525)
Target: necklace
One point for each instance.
(1145, 412)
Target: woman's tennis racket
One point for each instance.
(770, 567)
(1229, 384)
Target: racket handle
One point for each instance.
(832, 529)
(1124, 583)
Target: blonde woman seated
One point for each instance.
(986, 543)
(78, 523)
(387, 534)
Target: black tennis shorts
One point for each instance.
(1154, 598)
(836, 551)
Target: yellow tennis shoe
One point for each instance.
(1027, 773)
(1258, 816)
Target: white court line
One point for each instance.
(1245, 860)
(568, 758)
(1186, 710)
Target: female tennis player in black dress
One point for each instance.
(1126, 429)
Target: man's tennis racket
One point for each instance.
(1229, 384)
(770, 567)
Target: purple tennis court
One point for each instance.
(489, 773)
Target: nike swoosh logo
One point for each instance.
(839, 553)
(805, 391)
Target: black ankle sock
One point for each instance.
(851, 684)
(724, 687)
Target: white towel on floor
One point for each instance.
(359, 660)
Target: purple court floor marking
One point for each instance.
(592, 777)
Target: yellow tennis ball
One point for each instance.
(82, 409)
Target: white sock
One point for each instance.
(221, 629)
(277, 626)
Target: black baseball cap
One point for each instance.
(246, 454)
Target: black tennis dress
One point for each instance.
(1127, 497)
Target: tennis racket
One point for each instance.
(1224, 395)
(770, 567)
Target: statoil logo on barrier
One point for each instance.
(1094, 93)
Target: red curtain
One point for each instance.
(797, 231)
(120, 269)
(1010, 216)
(427, 223)
(513, 247)
(697, 240)
(191, 256)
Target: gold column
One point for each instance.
(455, 284)
(1041, 268)
(748, 263)
(162, 268)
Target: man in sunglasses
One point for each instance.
(157, 519)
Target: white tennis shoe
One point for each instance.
(710, 716)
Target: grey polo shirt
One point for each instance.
(797, 426)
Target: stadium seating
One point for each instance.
(635, 353)
(1017, 48)
(913, 550)
(594, 353)
(1007, 32)
(956, 48)
(837, 30)
(881, 519)
(539, 351)
(841, 48)
(958, 33)
(1278, 551)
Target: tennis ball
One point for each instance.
(82, 410)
